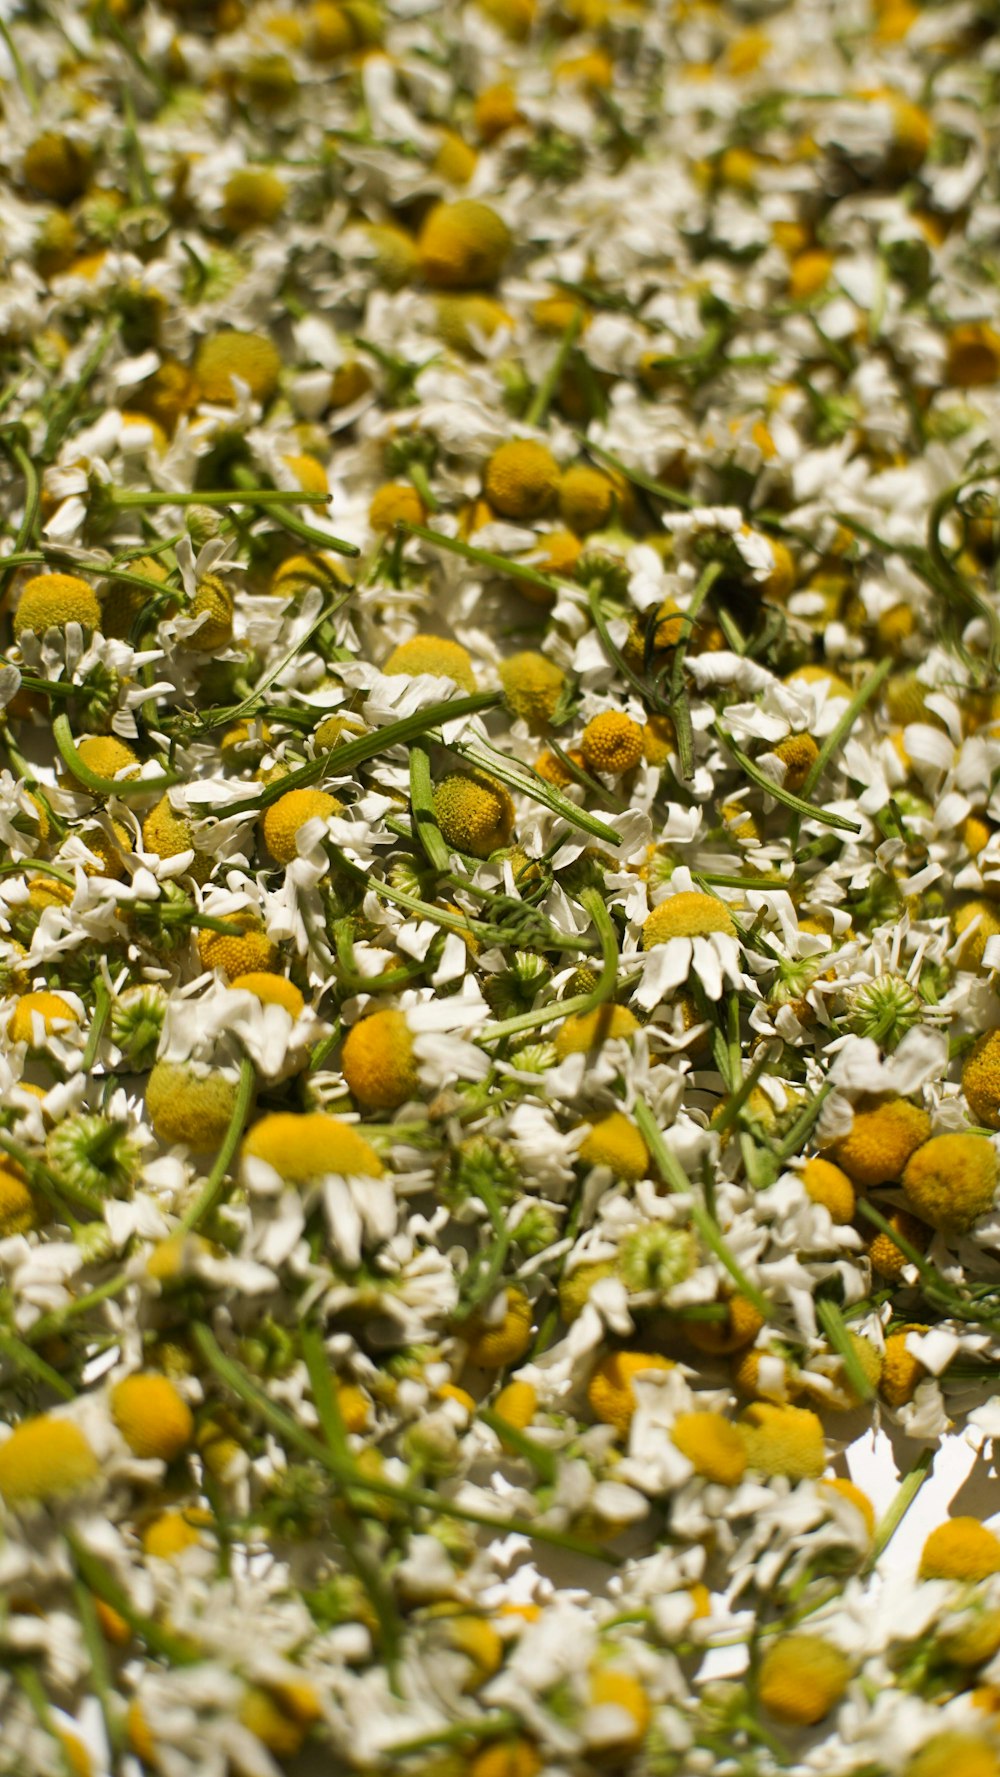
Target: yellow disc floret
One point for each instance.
(802, 1677)
(50, 1008)
(798, 754)
(44, 1458)
(784, 1440)
(57, 166)
(612, 743)
(213, 604)
(395, 502)
(153, 1418)
(378, 1061)
(951, 1180)
(50, 601)
(586, 499)
(463, 246)
(622, 1692)
(610, 1391)
(830, 1186)
(975, 922)
(713, 1446)
(973, 355)
(19, 1210)
(902, 1373)
(688, 914)
(308, 1146)
(168, 834)
(474, 812)
(247, 948)
(492, 1345)
(168, 1536)
(880, 1140)
(185, 1106)
(252, 198)
(521, 479)
(615, 1142)
(271, 990)
(436, 655)
(589, 1030)
(251, 357)
(719, 1337)
(284, 820)
(960, 1549)
(981, 1080)
(954, 1754)
(532, 685)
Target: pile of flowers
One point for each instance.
(500, 891)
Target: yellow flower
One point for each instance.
(750, 1378)
(960, 1549)
(283, 821)
(610, 1393)
(612, 743)
(246, 949)
(808, 273)
(168, 1536)
(437, 655)
(688, 914)
(168, 833)
(901, 1371)
(463, 245)
(330, 33)
(454, 161)
(108, 757)
(492, 1345)
(461, 318)
(828, 1185)
(153, 1418)
(951, 1180)
(57, 166)
(495, 110)
(586, 499)
(974, 1640)
(589, 1030)
(513, 17)
(187, 1107)
(784, 1440)
(798, 753)
(975, 922)
(474, 812)
(981, 1080)
(301, 1147)
(297, 572)
(615, 1142)
(51, 1008)
(954, 1754)
(50, 601)
(271, 990)
(506, 1758)
(575, 1287)
(847, 1490)
(378, 1061)
(881, 1139)
(250, 356)
(213, 602)
(393, 254)
(521, 479)
(712, 1445)
(722, 1336)
(532, 686)
(888, 1259)
(517, 1404)
(43, 1459)
(973, 355)
(275, 1727)
(395, 502)
(620, 1691)
(802, 1677)
(844, 1397)
(19, 1209)
(252, 198)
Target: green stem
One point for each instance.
(22, 1357)
(726, 1117)
(425, 823)
(211, 1191)
(680, 710)
(528, 783)
(102, 1007)
(24, 79)
(100, 1670)
(541, 400)
(29, 1679)
(255, 496)
(542, 1460)
(650, 486)
(863, 695)
(289, 521)
(905, 1497)
(94, 1574)
(62, 734)
(557, 1010)
(346, 1476)
(500, 564)
(759, 777)
(835, 1328)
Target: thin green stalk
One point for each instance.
(289, 521)
(102, 1007)
(69, 400)
(729, 1112)
(528, 783)
(30, 1681)
(344, 760)
(835, 1328)
(649, 485)
(62, 734)
(346, 1476)
(479, 1728)
(151, 498)
(500, 564)
(834, 739)
(759, 777)
(909, 1488)
(677, 1179)
(103, 1584)
(47, 1324)
(541, 400)
(425, 822)
(23, 1358)
(208, 1197)
(100, 1669)
(541, 1459)
(24, 80)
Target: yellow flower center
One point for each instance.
(436, 655)
(284, 820)
(492, 1345)
(521, 479)
(712, 1445)
(396, 502)
(307, 1146)
(50, 1008)
(187, 1107)
(50, 601)
(830, 1187)
(153, 1418)
(589, 1030)
(586, 499)
(610, 1391)
(612, 743)
(463, 245)
(249, 949)
(960, 1549)
(378, 1062)
(688, 914)
(802, 1677)
(881, 1140)
(271, 990)
(252, 199)
(43, 1459)
(951, 1180)
(784, 1441)
(249, 356)
(474, 812)
(616, 1142)
(532, 686)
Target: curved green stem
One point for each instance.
(211, 1192)
(62, 734)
